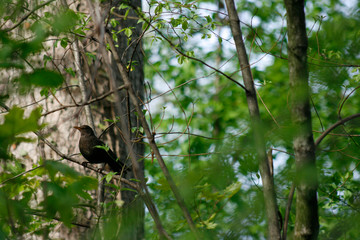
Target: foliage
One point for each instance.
(63, 190)
(201, 123)
(218, 113)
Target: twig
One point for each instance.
(335, 125)
(267, 109)
(19, 175)
(186, 55)
(150, 137)
(287, 211)
(99, 98)
(81, 76)
(98, 170)
(58, 219)
(135, 165)
(28, 14)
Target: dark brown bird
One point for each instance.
(88, 147)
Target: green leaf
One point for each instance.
(40, 78)
(14, 125)
(80, 31)
(126, 13)
(70, 71)
(91, 56)
(208, 19)
(65, 21)
(46, 58)
(109, 176)
(64, 42)
(158, 9)
(55, 167)
(175, 22)
(123, 6)
(128, 189)
(128, 32)
(185, 25)
(113, 22)
(105, 147)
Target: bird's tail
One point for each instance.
(118, 167)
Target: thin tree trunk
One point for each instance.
(133, 225)
(267, 179)
(307, 220)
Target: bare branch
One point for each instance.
(28, 14)
(135, 165)
(187, 56)
(74, 160)
(335, 125)
(150, 136)
(287, 211)
(99, 98)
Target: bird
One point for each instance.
(88, 145)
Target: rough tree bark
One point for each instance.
(307, 220)
(132, 226)
(267, 179)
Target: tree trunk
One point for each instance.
(132, 226)
(267, 179)
(307, 220)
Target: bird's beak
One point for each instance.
(78, 128)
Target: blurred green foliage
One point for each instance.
(202, 124)
(30, 202)
(213, 108)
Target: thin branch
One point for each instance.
(186, 55)
(267, 109)
(135, 165)
(150, 136)
(74, 160)
(335, 125)
(58, 219)
(345, 99)
(317, 113)
(28, 14)
(99, 98)
(287, 211)
(339, 134)
(19, 175)
(349, 175)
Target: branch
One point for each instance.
(335, 125)
(271, 206)
(101, 97)
(58, 219)
(287, 211)
(150, 136)
(19, 175)
(28, 14)
(184, 54)
(135, 165)
(74, 160)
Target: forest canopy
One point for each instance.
(237, 119)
